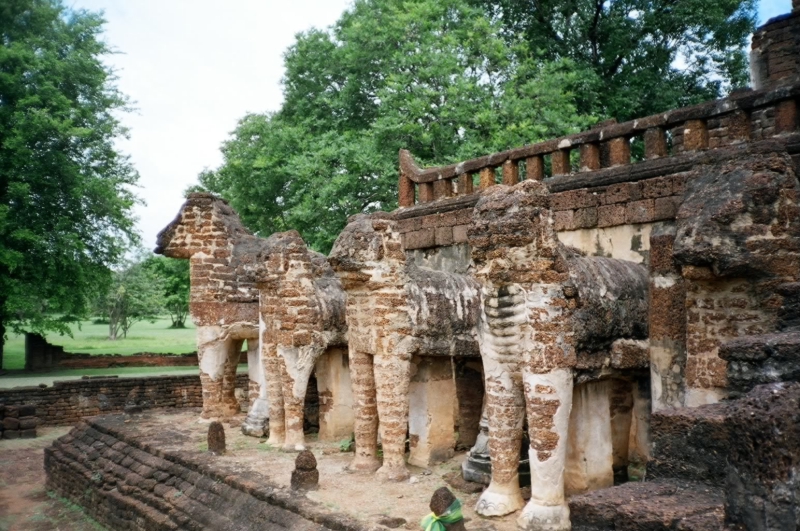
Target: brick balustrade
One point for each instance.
(746, 116)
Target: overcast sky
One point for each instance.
(194, 68)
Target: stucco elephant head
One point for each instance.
(301, 312)
(223, 305)
(542, 302)
(369, 259)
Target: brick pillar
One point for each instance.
(590, 157)
(406, 191)
(487, 178)
(667, 322)
(442, 189)
(655, 143)
(465, 184)
(559, 161)
(510, 173)
(775, 51)
(534, 168)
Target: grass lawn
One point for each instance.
(93, 339)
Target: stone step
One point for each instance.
(690, 443)
(749, 446)
(763, 359)
(763, 480)
(659, 505)
(789, 311)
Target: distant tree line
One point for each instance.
(143, 289)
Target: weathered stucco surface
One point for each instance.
(624, 242)
(301, 305)
(223, 305)
(541, 303)
(397, 308)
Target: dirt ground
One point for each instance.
(26, 506)
(362, 496)
(24, 503)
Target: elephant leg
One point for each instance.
(505, 407)
(212, 354)
(549, 401)
(272, 373)
(229, 404)
(293, 410)
(392, 379)
(257, 421)
(365, 421)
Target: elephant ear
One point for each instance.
(300, 362)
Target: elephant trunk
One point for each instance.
(500, 336)
(298, 364)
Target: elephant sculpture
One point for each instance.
(223, 305)
(541, 304)
(301, 314)
(396, 310)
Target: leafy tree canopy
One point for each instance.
(433, 76)
(646, 56)
(454, 79)
(65, 198)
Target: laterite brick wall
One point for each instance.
(66, 402)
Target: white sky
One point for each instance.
(194, 68)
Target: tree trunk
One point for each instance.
(2, 337)
(2, 333)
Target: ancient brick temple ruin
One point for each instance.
(576, 315)
(237, 280)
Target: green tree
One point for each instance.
(646, 56)
(65, 198)
(433, 76)
(174, 276)
(136, 294)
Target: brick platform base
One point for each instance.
(128, 481)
